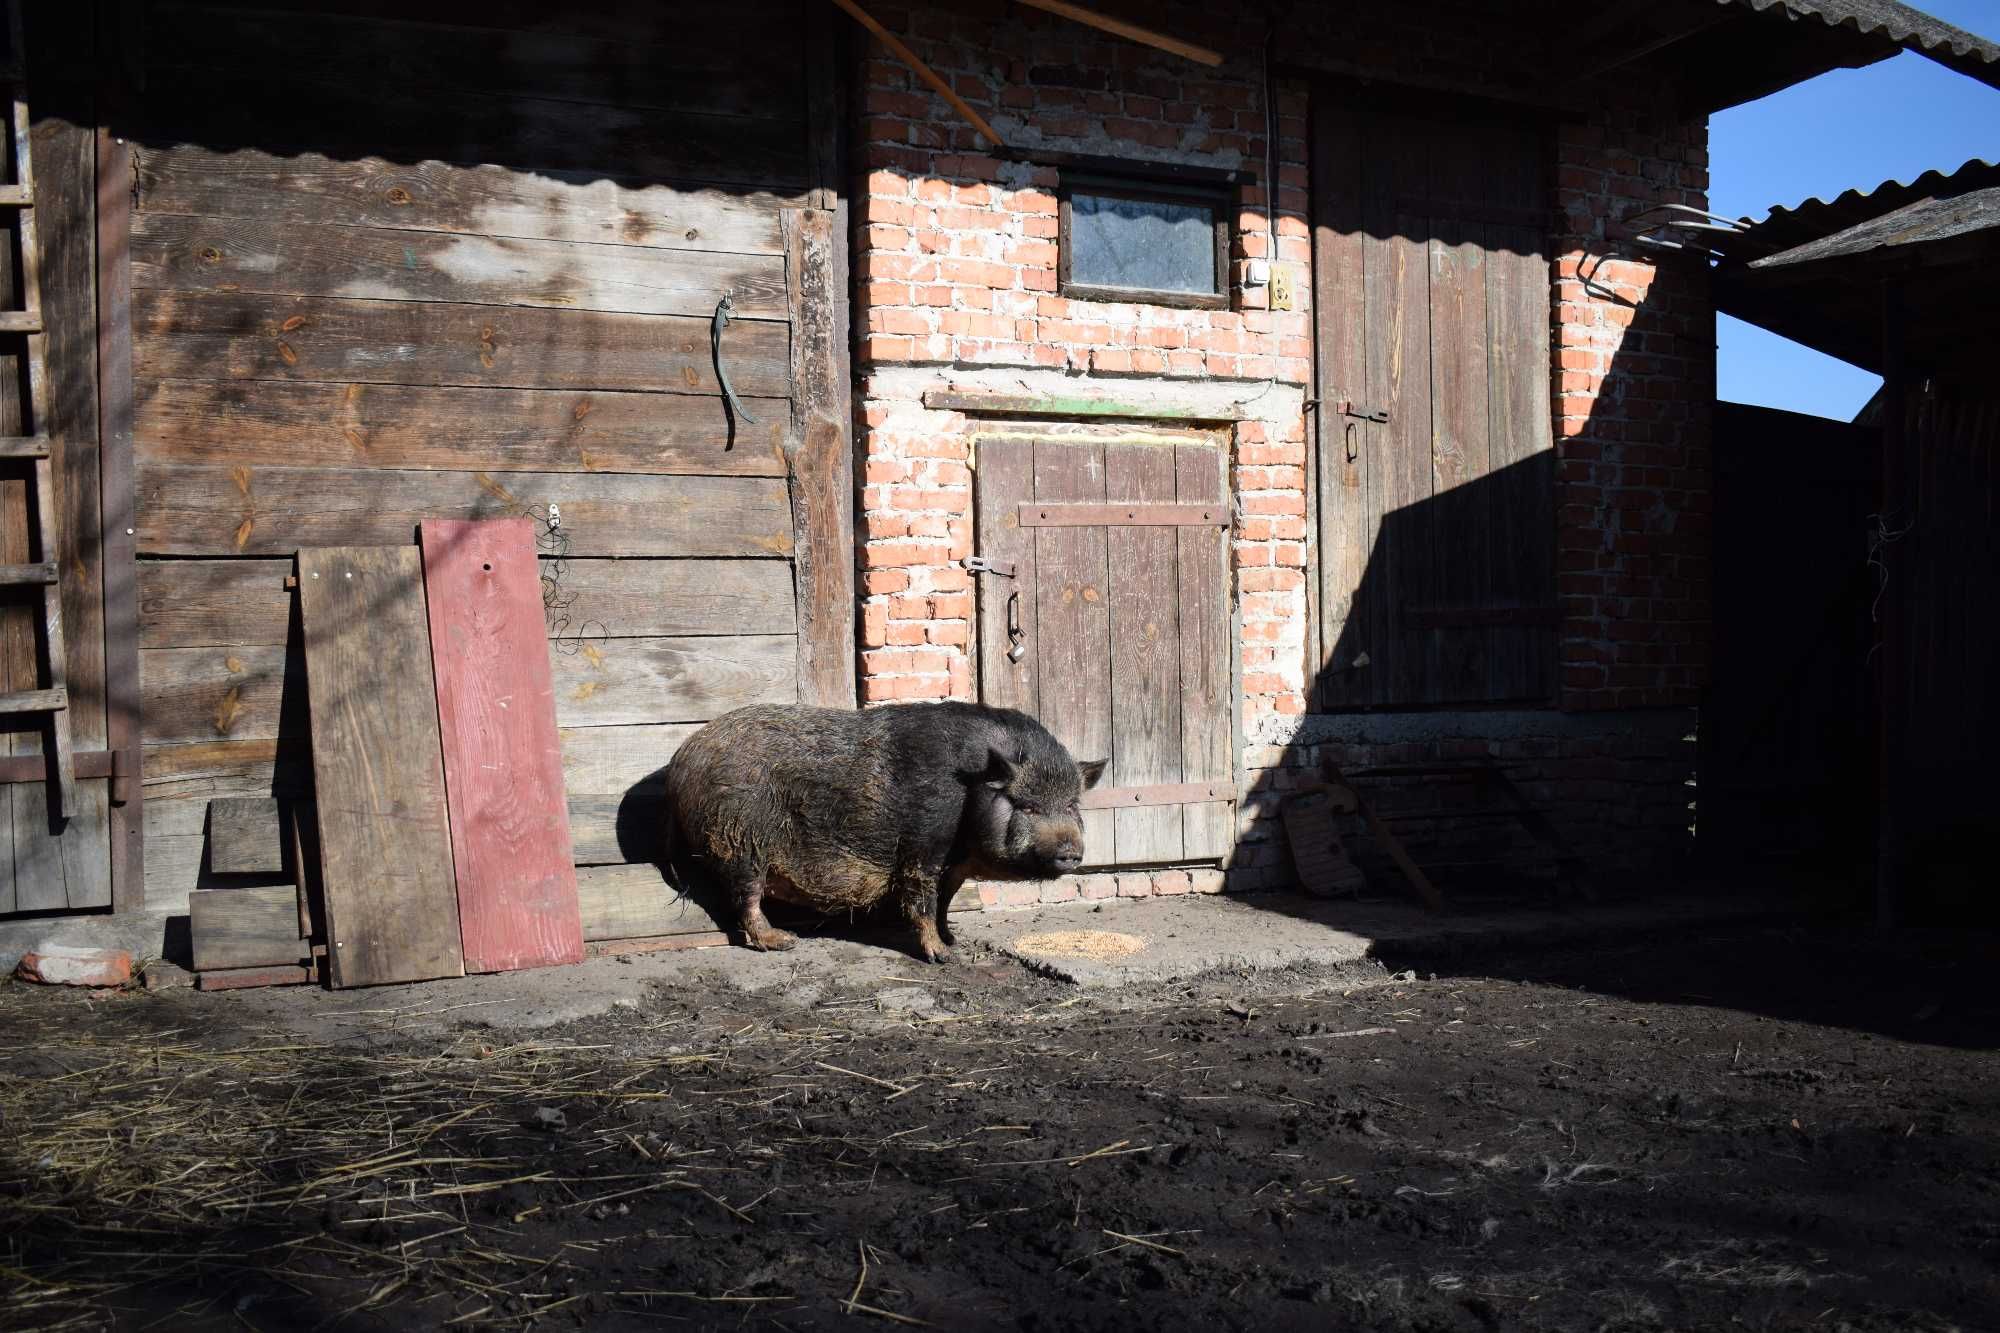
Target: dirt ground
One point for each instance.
(1758, 1130)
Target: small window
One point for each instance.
(1127, 238)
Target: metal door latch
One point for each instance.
(979, 564)
(1017, 641)
(1350, 408)
(725, 310)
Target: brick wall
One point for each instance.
(955, 264)
(1635, 365)
(955, 258)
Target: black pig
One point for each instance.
(841, 809)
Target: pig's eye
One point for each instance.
(1027, 809)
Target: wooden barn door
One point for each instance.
(1103, 611)
(1436, 480)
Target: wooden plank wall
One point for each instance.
(460, 262)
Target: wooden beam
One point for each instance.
(822, 461)
(924, 72)
(1139, 407)
(1131, 32)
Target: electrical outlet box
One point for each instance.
(1257, 273)
(1281, 287)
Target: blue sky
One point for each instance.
(1850, 129)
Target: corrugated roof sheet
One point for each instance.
(1887, 20)
(1817, 219)
(1920, 223)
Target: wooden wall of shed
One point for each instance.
(393, 262)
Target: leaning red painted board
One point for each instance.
(502, 758)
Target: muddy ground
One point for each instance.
(1758, 1130)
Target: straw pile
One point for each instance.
(136, 1161)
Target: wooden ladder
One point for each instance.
(49, 701)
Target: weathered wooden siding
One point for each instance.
(459, 262)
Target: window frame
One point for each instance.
(1218, 197)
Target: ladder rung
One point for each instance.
(28, 576)
(17, 196)
(34, 701)
(20, 321)
(24, 446)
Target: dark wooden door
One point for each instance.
(1436, 462)
(1106, 615)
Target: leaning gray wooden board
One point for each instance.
(180, 253)
(456, 429)
(246, 836)
(245, 510)
(340, 340)
(312, 189)
(243, 603)
(378, 778)
(713, 71)
(199, 694)
(247, 927)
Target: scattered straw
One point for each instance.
(1091, 945)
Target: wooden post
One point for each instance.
(822, 460)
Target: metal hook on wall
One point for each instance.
(725, 310)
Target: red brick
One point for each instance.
(75, 965)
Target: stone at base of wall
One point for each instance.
(143, 934)
(1000, 895)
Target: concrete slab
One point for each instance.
(1134, 942)
(144, 934)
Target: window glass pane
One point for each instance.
(1141, 243)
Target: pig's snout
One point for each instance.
(1068, 859)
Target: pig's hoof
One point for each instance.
(770, 940)
(945, 933)
(939, 954)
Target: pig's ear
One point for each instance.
(999, 770)
(1092, 771)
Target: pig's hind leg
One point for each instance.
(746, 893)
(948, 887)
(915, 890)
